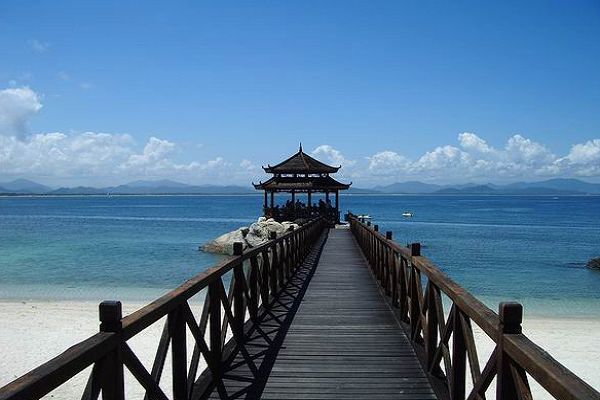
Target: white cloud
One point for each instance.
(470, 141)
(89, 157)
(386, 163)
(521, 158)
(588, 152)
(248, 165)
(17, 106)
(38, 46)
(525, 151)
(331, 156)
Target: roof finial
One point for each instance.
(300, 147)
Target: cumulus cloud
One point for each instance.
(91, 156)
(17, 106)
(521, 158)
(387, 163)
(329, 155)
(471, 141)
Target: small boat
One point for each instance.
(407, 214)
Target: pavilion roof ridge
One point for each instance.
(301, 162)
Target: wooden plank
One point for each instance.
(344, 341)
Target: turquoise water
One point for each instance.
(528, 248)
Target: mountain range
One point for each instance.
(24, 186)
(547, 187)
(165, 186)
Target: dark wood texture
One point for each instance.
(344, 341)
(445, 343)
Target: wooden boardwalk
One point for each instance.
(335, 338)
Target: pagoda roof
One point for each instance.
(301, 163)
(300, 183)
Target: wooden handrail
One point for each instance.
(398, 271)
(258, 274)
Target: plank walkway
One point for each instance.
(332, 336)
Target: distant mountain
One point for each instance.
(354, 190)
(78, 190)
(559, 184)
(500, 190)
(470, 189)
(547, 187)
(551, 187)
(411, 187)
(169, 187)
(157, 184)
(141, 189)
(25, 186)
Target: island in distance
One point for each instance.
(551, 187)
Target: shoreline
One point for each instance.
(51, 326)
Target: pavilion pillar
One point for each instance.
(337, 205)
(309, 199)
(326, 196)
(266, 200)
(272, 199)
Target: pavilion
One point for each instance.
(301, 173)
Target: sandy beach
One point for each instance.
(34, 332)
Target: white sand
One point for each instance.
(33, 332)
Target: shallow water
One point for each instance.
(500, 247)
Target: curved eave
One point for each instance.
(282, 170)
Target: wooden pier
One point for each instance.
(317, 313)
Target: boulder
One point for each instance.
(251, 236)
(594, 263)
(224, 243)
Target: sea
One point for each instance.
(531, 249)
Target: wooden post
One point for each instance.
(238, 288)
(253, 304)
(216, 347)
(113, 386)
(511, 316)
(266, 201)
(415, 249)
(459, 358)
(264, 282)
(431, 340)
(309, 200)
(272, 199)
(388, 235)
(376, 228)
(238, 248)
(177, 329)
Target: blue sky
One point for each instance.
(105, 92)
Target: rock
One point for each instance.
(594, 263)
(251, 236)
(224, 243)
(288, 226)
(254, 240)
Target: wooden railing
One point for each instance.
(400, 272)
(255, 276)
